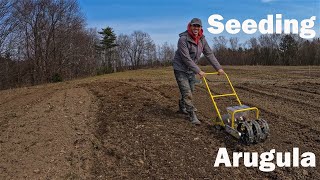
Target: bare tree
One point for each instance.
(52, 38)
(288, 49)
(7, 25)
(150, 52)
(234, 42)
(135, 48)
(269, 51)
(123, 49)
(168, 53)
(252, 43)
(220, 43)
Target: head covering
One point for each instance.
(196, 21)
(195, 38)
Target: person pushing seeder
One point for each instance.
(191, 45)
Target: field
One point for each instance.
(125, 126)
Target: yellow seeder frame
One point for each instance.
(221, 123)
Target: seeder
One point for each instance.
(237, 121)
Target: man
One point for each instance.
(190, 46)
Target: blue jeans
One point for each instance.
(186, 82)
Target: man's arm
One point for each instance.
(208, 53)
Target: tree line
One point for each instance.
(45, 41)
(42, 41)
(133, 51)
(274, 49)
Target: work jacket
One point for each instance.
(189, 52)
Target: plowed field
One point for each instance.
(126, 126)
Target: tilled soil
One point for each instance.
(46, 132)
(126, 126)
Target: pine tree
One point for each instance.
(108, 39)
(106, 49)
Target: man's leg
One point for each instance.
(182, 106)
(192, 82)
(192, 114)
(185, 89)
(183, 80)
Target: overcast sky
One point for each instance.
(165, 19)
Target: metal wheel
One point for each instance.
(246, 132)
(257, 132)
(264, 129)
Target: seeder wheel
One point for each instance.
(247, 135)
(257, 132)
(264, 129)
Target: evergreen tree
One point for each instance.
(106, 49)
(108, 38)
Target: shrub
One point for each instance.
(57, 78)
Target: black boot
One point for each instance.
(193, 118)
(182, 107)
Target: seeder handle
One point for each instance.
(233, 90)
(221, 95)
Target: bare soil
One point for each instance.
(126, 126)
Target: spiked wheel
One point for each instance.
(264, 129)
(257, 132)
(247, 135)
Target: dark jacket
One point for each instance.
(188, 54)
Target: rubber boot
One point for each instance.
(182, 107)
(193, 118)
